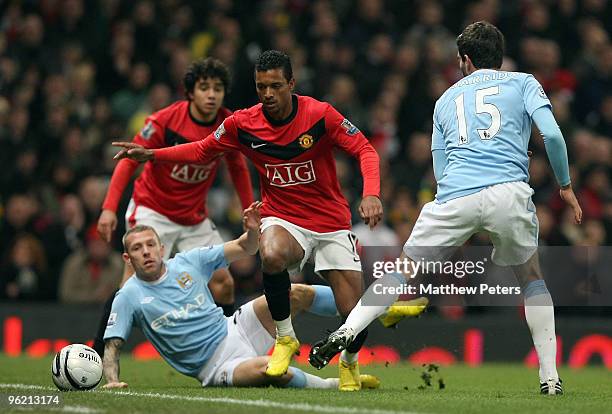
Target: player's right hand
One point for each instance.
(567, 195)
(371, 210)
(107, 223)
(112, 385)
(132, 151)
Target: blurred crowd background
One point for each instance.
(77, 74)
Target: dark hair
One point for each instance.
(138, 229)
(483, 43)
(203, 69)
(273, 59)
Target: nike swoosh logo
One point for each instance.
(356, 260)
(257, 146)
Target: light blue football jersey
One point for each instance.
(176, 313)
(483, 123)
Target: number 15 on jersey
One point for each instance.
(482, 108)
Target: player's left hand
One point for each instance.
(251, 217)
(371, 210)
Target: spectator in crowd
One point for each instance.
(23, 275)
(90, 275)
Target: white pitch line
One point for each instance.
(79, 409)
(253, 403)
(25, 387)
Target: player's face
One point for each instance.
(145, 254)
(274, 92)
(207, 97)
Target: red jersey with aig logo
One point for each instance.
(177, 190)
(294, 159)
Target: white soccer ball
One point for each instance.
(76, 367)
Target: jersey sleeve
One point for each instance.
(225, 138)
(207, 259)
(350, 139)
(121, 177)
(554, 144)
(534, 96)
(437, 136)
(121, 317)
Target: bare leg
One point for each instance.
(252, 373)
(528, 271)
(347, 286)
(278, 249)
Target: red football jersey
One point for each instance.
(178, 191)
(294, 159)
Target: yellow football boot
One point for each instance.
(369, 382)
(284, 349)
(403, 309)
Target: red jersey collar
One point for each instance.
(294, 101)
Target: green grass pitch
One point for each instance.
(156, 388)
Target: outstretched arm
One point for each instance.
(110, 363)
(211, 147)
(191, 153)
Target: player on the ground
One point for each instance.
(172, 304)
(171, 197)
(290, 140)
(481, 130)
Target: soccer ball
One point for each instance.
(76, 367)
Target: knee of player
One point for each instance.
(273, 259)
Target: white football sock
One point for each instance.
(312, 381)
(285, 328)
(372, 304)
(303, 379)
(331, 382)
(540, 316)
